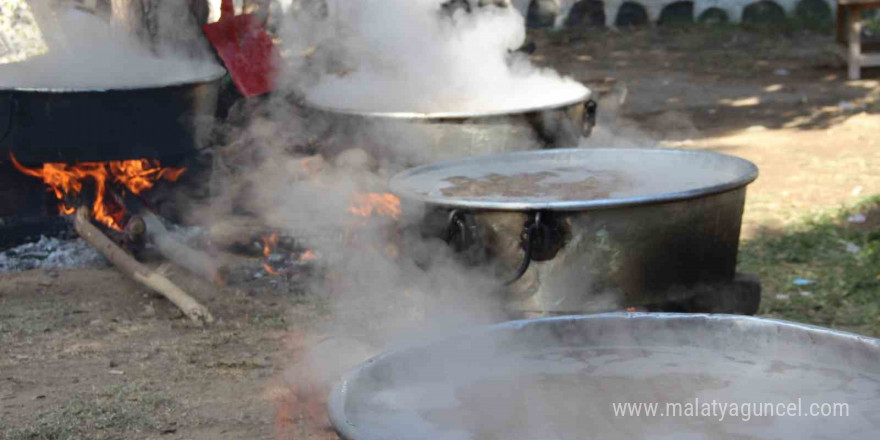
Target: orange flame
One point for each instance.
(312, 166)
(308, 255)
(269, 242)
(271, 271)
(385, 204)
(64, 179)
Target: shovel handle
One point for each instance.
(227, 9)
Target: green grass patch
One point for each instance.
(840, 258)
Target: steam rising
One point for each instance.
(299, 170)
(412, 56)
(560, 380)
(87, 51)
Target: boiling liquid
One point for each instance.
(571, 394)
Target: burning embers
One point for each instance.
(384, 204)
(279, 259)
(67, 182)
(281, 254)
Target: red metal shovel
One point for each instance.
(245, 48)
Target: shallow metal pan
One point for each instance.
(451, 115)
(658, 173)
(558, 378)
(457, 134)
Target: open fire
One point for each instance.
(276, 257)
(67, 181)
(380, 204)
(362, 205)
(269, 243)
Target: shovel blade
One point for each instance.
(246, 50)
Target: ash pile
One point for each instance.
(51, 253)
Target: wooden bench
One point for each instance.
(849, 34)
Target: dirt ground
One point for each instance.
(89, 354)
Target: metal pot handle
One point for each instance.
(590, 110)
(458, 231)
(527, 238)
(542, 238)
(539, 241)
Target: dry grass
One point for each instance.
(116, 413)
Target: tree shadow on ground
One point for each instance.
(726, 78)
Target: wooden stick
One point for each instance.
(191, 259)
(138, 272)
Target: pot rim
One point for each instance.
(348, 431)
(218, 73)
(448, 115)
(398, 185)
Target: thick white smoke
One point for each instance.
(299, 170)
(86, 50)
(414, 56)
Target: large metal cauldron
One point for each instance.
(457, 134)
(586, 230)
(158, 120)
(560, 378)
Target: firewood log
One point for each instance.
(138, 272)
(178, 253)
